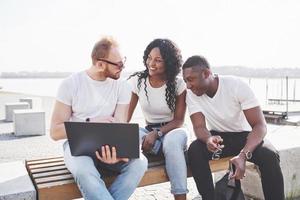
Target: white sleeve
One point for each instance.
(181, 87)
(246, 96)
(133, 83)
(191, 103)
(64, 93)
(124, 93)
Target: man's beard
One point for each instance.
(115, 76)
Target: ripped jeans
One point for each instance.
(174, 144)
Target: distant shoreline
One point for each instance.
(7, 92)
(223, 70)
(31, 77)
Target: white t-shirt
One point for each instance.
(90, 98)
(155, 108)
(224, 111)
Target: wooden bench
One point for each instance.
(53, 180)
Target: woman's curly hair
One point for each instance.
(172, 57)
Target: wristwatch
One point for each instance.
(247, 153)
(159, 133)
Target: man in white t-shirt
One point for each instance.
(97, 95)
(227, 121)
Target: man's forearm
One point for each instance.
(202, 134)
(255, 137)
(58, 132)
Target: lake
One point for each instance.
(263, 88)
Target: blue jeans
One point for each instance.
(89, 181)
(174, 144)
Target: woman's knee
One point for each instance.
(175, 138)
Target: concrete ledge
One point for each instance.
(290, 166)
(10, 107)
(29, 122)
(251, 184)
(15, 183)
(286, 140)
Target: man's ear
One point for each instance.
(100, 66)
(206, 73)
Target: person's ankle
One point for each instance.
(180, 197)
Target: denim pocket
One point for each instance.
(156, 147)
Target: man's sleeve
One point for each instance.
(181, 86)
(124, 93)
(246, 96)
(133, 84)
(64, 93)
(191, 103)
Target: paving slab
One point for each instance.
(15, 183)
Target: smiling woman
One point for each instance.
(161, 94)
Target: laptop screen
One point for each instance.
(85, 138)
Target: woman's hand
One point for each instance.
(109, 157)
(149, 141)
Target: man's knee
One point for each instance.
(140, 164)
(82, 174)
(266, 156)
(197, 148)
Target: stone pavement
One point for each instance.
(162, 192)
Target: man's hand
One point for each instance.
(109, 157)
(213, 143)
(239, 162)
(149, 141)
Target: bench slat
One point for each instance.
(45, 165)
(219, 165)
(48, 169)
(53, 178)
(51, 173)
(44, 160)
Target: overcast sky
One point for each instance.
(58, 35)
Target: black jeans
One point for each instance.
(264, 156)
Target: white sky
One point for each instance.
(58, 35)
